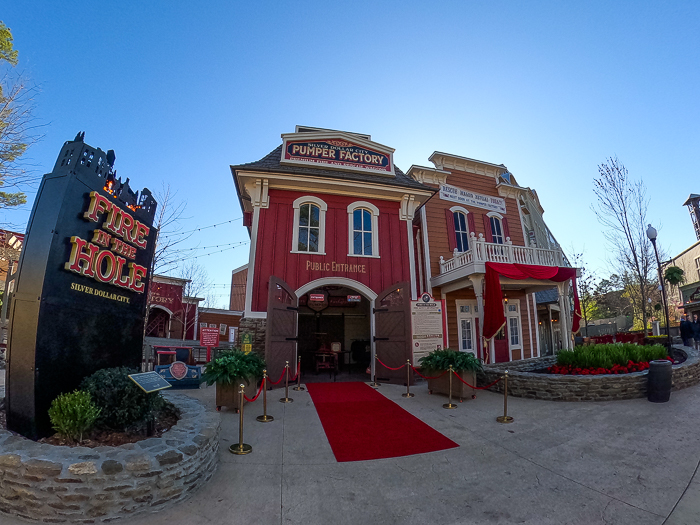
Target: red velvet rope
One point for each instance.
(256, 395)
(426, 377)
(476, 387)
(380, 362)
(281, 377)
(292, 379)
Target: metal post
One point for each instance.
(374, 375)
(408, 379)
(450, 404)
(298, 387)
(286, 398)
(505, 418)
(663, 298)
(265, 418)
(240, 448)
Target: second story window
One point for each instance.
(461, 231)
(362, 232)
(308, 235)
(363, 220)
(496, 230)
(309, 228)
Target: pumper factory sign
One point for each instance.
(337, 153)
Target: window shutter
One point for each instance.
(451, 235)
(487, 228)
(506, 231)
(470, 224)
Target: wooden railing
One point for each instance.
(481, 251)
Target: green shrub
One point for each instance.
(73, 414)
(122, 402)
(439, 360)
(232, 366)
(607, 355)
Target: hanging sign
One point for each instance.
(469, 198)
(426, 325)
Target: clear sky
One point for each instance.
(182, 90)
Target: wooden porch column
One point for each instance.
(478, 284)
(564, 317)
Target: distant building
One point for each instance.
(687, 296)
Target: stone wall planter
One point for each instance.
(523, 382)
(441, 385)
(56, 484)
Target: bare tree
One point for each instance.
(621, 209)
(586, 284)
(197, 286)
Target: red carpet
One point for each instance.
(362, 424)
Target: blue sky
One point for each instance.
(550, 89)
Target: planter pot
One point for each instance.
(459, 389)
(227, 394)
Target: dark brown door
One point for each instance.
(392, 332)
(281, 332)
(500, 346)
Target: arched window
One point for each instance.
(309, 226)
(363, 238)
(496, 223)
(461, 231)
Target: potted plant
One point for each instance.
(229, 370)
(465, 364)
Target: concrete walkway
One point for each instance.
(625, 462)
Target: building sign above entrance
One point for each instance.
(335, 153)
(469, 198)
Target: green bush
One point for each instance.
(74, 414)
(607, 355)
(439, 360)
(122, 402)
(232, 366)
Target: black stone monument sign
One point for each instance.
(79, 299)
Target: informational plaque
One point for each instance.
(426, 325)
(149, 381)
(246, 343)
(209, 337)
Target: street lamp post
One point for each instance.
(651, 233)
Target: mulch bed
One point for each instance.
(108, 438)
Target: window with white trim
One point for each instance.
(461, 231)
(467, 320)
(363, 238)
(514, 331)
(466, 341)
(496, 230)
(309, 235)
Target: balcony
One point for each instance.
(472, 261)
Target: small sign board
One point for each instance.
(209, 337)
(426, 325)
(470, 198)
(354, 298)
(246, 343)
(149, 381)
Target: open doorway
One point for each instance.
(334, 336)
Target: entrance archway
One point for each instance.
(158, 323)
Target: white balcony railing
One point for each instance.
(481, 252)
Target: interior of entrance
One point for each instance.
(334, 335)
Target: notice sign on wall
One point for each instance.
(426, 325)
(469, 198)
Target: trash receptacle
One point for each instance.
(660, 379)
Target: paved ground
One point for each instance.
(625, 462)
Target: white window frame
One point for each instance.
(460, 209)
(514, 315)
(323, 208)
(374, 212)
(472, 316)
(222, 329)
(494, 215)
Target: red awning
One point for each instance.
(494, 319)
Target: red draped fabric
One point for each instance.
(494, 318)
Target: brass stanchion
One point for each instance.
(240, 448)
(408, 379)
(505, 418)
(286, 398)
(450, 404)
(265, 418)
(374, 376)
(298, 387)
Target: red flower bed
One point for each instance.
(616, 369)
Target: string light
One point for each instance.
(202, 228)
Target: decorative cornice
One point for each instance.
(428, 175)
(444, 161)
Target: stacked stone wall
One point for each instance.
(523, 382)
(256, 327)
(57, 484)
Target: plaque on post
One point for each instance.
(80, 295)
